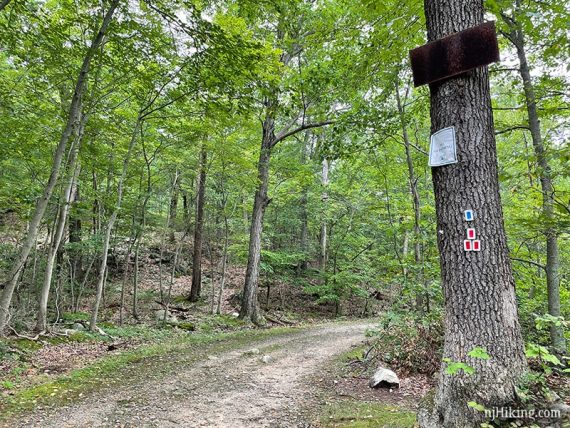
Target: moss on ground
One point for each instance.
(220, 323)
(354, 414)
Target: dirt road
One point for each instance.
(264, 384)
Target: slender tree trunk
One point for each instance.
(405, 252)
(82, 285)
(109, 228)
(72, 118)
(421, 297)
(97, 207)
(304, 210)
(162, 242)
(545, 176)
(75, 222)
(59, 229)
(75, 237)
(224, 264)
(478, 287)
(124, 284)
(324, 199)
(174, 206)
(250, 306)
(198, 229)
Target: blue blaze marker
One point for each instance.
(469, 215)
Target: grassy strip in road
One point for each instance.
(130, 367)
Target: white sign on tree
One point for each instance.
(443, 149)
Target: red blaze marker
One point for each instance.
(467, 245)
(477, 245)
(470, 233)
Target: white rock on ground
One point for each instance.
(384, 378)
(253, 351)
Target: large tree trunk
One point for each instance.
(250, 306)
(545, 175)
(72, 118)
(478, 287)
(198, 229)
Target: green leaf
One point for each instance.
(453, 367)
(476, 406)
(480, 353)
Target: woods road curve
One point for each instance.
(231, 388)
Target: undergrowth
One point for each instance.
(408, 344)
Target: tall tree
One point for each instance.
(59, 227)
(198, 228)
(421, 297)
(516, 36)
(72, 120)
(290, 30)
(478, 287)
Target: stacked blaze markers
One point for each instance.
(471, 243)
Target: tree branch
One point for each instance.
(283, 135)
(512, 128)
(529, 262)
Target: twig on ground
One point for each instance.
(23, 336)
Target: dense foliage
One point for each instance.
(350, 211)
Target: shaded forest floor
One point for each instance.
(27, 359)
(283, 377)
(71, 368)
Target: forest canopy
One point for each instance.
(144, 141)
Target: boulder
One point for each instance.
(170, 319)
(384, 378)
(267, 359)
(78, 326)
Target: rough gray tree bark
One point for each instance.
(250, 306)
(72, 118)
(196, 287)
(516, 36)
(478, 287)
